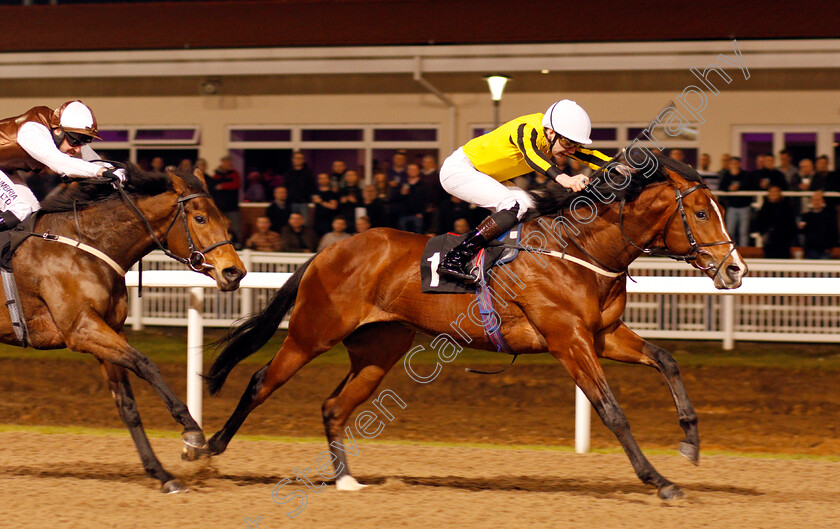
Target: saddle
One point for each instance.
(499, 252)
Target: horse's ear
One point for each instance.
(178, 183)
(200, 175)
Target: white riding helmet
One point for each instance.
(76, 117)
(569, 120)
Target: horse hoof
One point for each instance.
(671, 492)
(173, 486)
(195, 446)
(690, 452)
(215, 447)
(348, 482)
(194, 453)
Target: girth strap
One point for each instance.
(84, 247)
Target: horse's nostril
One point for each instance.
(733, 270)
(232, 273)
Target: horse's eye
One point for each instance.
(701, 215)
(200, 219)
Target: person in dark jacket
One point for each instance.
(767, 175)
(278, 211)
(297, 237)
(224, 187)
(819, 228)
(300, 183)
(349, 198)
(738, 209)
(777, 223)
(413, 197)
(377, 209)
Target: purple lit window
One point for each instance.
(603, 134)
(801, 145)
(165, 135)
(405, 135)
(114, 135)
(331, 135)
(753, 144)
(261, 135)
(632, 132)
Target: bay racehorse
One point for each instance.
(76, 299)
(366, 292)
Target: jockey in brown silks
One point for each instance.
(45, 138)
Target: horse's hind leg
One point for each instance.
(288, 360)
(373, 351)
(124, 398)
(624, 345)
(574, 346)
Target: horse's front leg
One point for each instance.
(126, 405)
(571, 341)
(623, 345)
(90, 334)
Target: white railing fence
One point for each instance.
(759, 317)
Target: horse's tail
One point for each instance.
(252, 333)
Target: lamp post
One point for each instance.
(497, 87)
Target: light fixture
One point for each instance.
(210, 87)
(545, 71)
(497, 85)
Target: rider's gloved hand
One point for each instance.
(575, 183)
(115, 175)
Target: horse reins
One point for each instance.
(697, 249)
(197, 261)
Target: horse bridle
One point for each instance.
(697, 249)
(197, 261)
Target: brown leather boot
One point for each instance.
(457, 263)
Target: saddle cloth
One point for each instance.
(438, 246)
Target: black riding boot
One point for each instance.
(457, 264)
(8, 220)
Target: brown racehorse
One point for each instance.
(75, 299)
(366, 293)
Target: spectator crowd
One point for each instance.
(309, 211)
(783, 226)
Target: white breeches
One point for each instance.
(16, 198)
(458, 177)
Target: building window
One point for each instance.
(362, 148)
(801, 141)
(141, 145)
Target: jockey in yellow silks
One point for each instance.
(475, 171)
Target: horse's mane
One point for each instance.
(81, 194)
(554, 198)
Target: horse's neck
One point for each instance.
(602, 237)
(113, 228)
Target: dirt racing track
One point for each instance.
(93, 481)
(447, 460)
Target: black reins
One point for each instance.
(197, 261)
(697, 249)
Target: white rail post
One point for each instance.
(246, 295)
(136, 309)
(583, 414)
(195, 350)
(728, 322)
